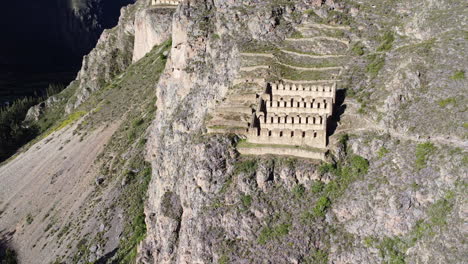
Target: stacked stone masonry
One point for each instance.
(165, 2)
(290, 114)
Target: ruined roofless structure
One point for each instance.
(293, 114)
(165, 2)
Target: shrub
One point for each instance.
(223, 259)
(29, 219)
(317, 257)
(138, 122)
(382, 152)
(376, 63)
(268, 233)
(423, 151)
(386, 41)
(13, 134)
(246, 200)
(392, 249)
(317, 187)
(246, 166)
(358, 49)
(326, 167)
(298, 191)
(439, 210)
(321, 207)
(359, 165)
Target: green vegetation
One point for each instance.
(317, 186)
(269, 233)
(345, 173)
(317, 257)
(248, 166)
(246, 200)
(458, 75)
(447, 101)
(392, 250)
(13, 134)
(382, 152)
(423, 151)
(439, 210)
(29, 219)
(123, 159)
(321, 207)
(358, 49)
(135, 230)
(297, 34)
(223, 259)
(67, 121)
(298, 191)
(7, 256)
(376, 63)
(386, 41)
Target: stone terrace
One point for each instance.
(284, 97)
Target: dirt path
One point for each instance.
(323, 26)
(311, 56)
(346, 42)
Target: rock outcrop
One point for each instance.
(393, 189)
(152, 27)
(206, 204)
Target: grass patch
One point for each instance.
(386, 41)
(447, 101)
(345, 173)
(423, 151)
(358, 49)
(246, 201)
(298, 191)
(69, 120)
(275, 232)
(246, 166)
(317, 257)
(382, 152)
(458, 75)
(376, 63)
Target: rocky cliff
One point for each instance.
(393, 188)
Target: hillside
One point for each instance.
(152, 162)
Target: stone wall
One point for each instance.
(295, 152)
(165, 2)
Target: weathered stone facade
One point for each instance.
(293, 114)
(165, 2)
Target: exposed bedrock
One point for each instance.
(152, 27)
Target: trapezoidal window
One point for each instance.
(269, 133)
(303, 134)
(281, 133)
(292, 133)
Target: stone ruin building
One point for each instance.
(293, 114)
(165, 2)
(283, 99)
